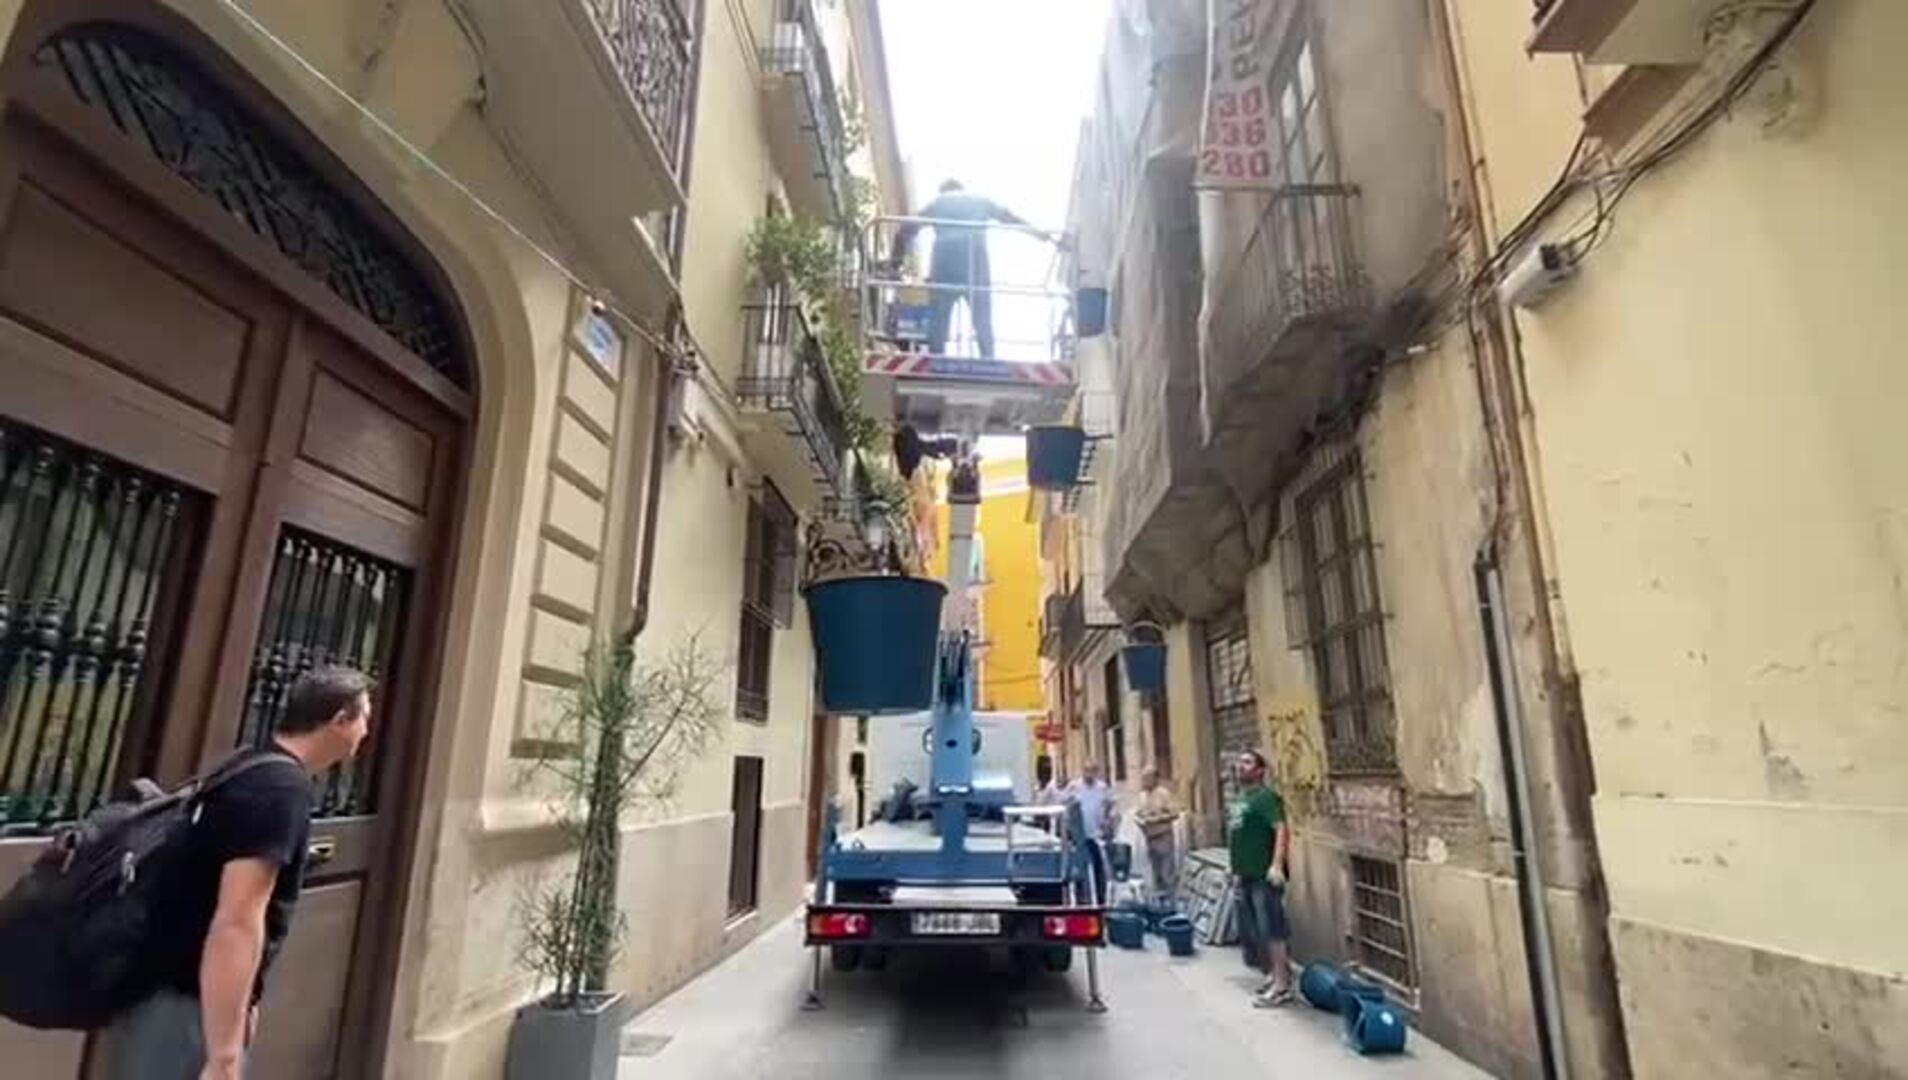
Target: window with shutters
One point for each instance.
(745, 847)
(1162, 736)
(1230, 695)
(1304, 144)
(1229, 684)
(768, 598)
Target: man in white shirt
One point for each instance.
(1095, 797)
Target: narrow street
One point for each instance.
(1167, 1019)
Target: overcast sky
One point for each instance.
(992, 93)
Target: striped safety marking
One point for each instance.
(917, 366)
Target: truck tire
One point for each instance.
(1058, 960)
(844, 958)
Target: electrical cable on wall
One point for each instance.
(1611, 187)
(1680, 138)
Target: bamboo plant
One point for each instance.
(625, 734)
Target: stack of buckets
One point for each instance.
(1372, 1024)
(1127, 929)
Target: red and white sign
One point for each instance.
(1237, 141)
(920, 366)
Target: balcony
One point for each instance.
(595, 94)
(795, 422)
(1283, 315)
(1624, 31)
(1082, 624)
(804, 113)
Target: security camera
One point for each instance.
(1541, 271)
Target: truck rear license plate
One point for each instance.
(956, 923)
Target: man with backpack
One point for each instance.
(226, 903)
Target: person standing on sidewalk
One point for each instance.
(219, 928)
(1095, 797)
(1156, 817)
(1260, 844)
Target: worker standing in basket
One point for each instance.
(959, 267)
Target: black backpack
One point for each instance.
(75, 930)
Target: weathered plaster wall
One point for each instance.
(1714, 405)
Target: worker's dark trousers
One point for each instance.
(980, 310)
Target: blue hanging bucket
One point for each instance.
(1054, 453)
(1378, 1028)
(1318, 984)
(876, 639)
(1178, 932)
(1145, 666)
(1089, 311)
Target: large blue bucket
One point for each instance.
(1377, 1027)
(1126, 929)
(1353, 995)
(1145, 666)
(1054, 453)
(1178, 932)
(1319, 985)
(876, 639)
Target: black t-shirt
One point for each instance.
(262, 813)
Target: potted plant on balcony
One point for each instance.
(624, 735)
(794, 255)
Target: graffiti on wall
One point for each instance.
(1297, 757)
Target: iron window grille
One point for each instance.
(161, 100)
(328, 604)
(87, 548)
(1336, 613)
(1381, 931)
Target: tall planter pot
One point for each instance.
(876, 639)
(583, 1042)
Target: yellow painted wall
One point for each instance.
(1009, 600)
(1717, 406)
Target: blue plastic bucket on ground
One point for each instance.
(1145, 666)
(1318, 984)
(1353, 995)
(1126, 930)
(1378, 1028)
(876, 640)
(1054, 453)
(1178, 932)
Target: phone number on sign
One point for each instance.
(1236, 137)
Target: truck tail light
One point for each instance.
(832, 925)
(1072, 927)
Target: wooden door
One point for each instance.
(213, 476)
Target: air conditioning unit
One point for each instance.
(1632, 31)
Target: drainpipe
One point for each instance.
(1508, 707)
(1511, 434)
(652, 492)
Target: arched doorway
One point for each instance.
(231, 447)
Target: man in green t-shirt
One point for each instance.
(1260, 845)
